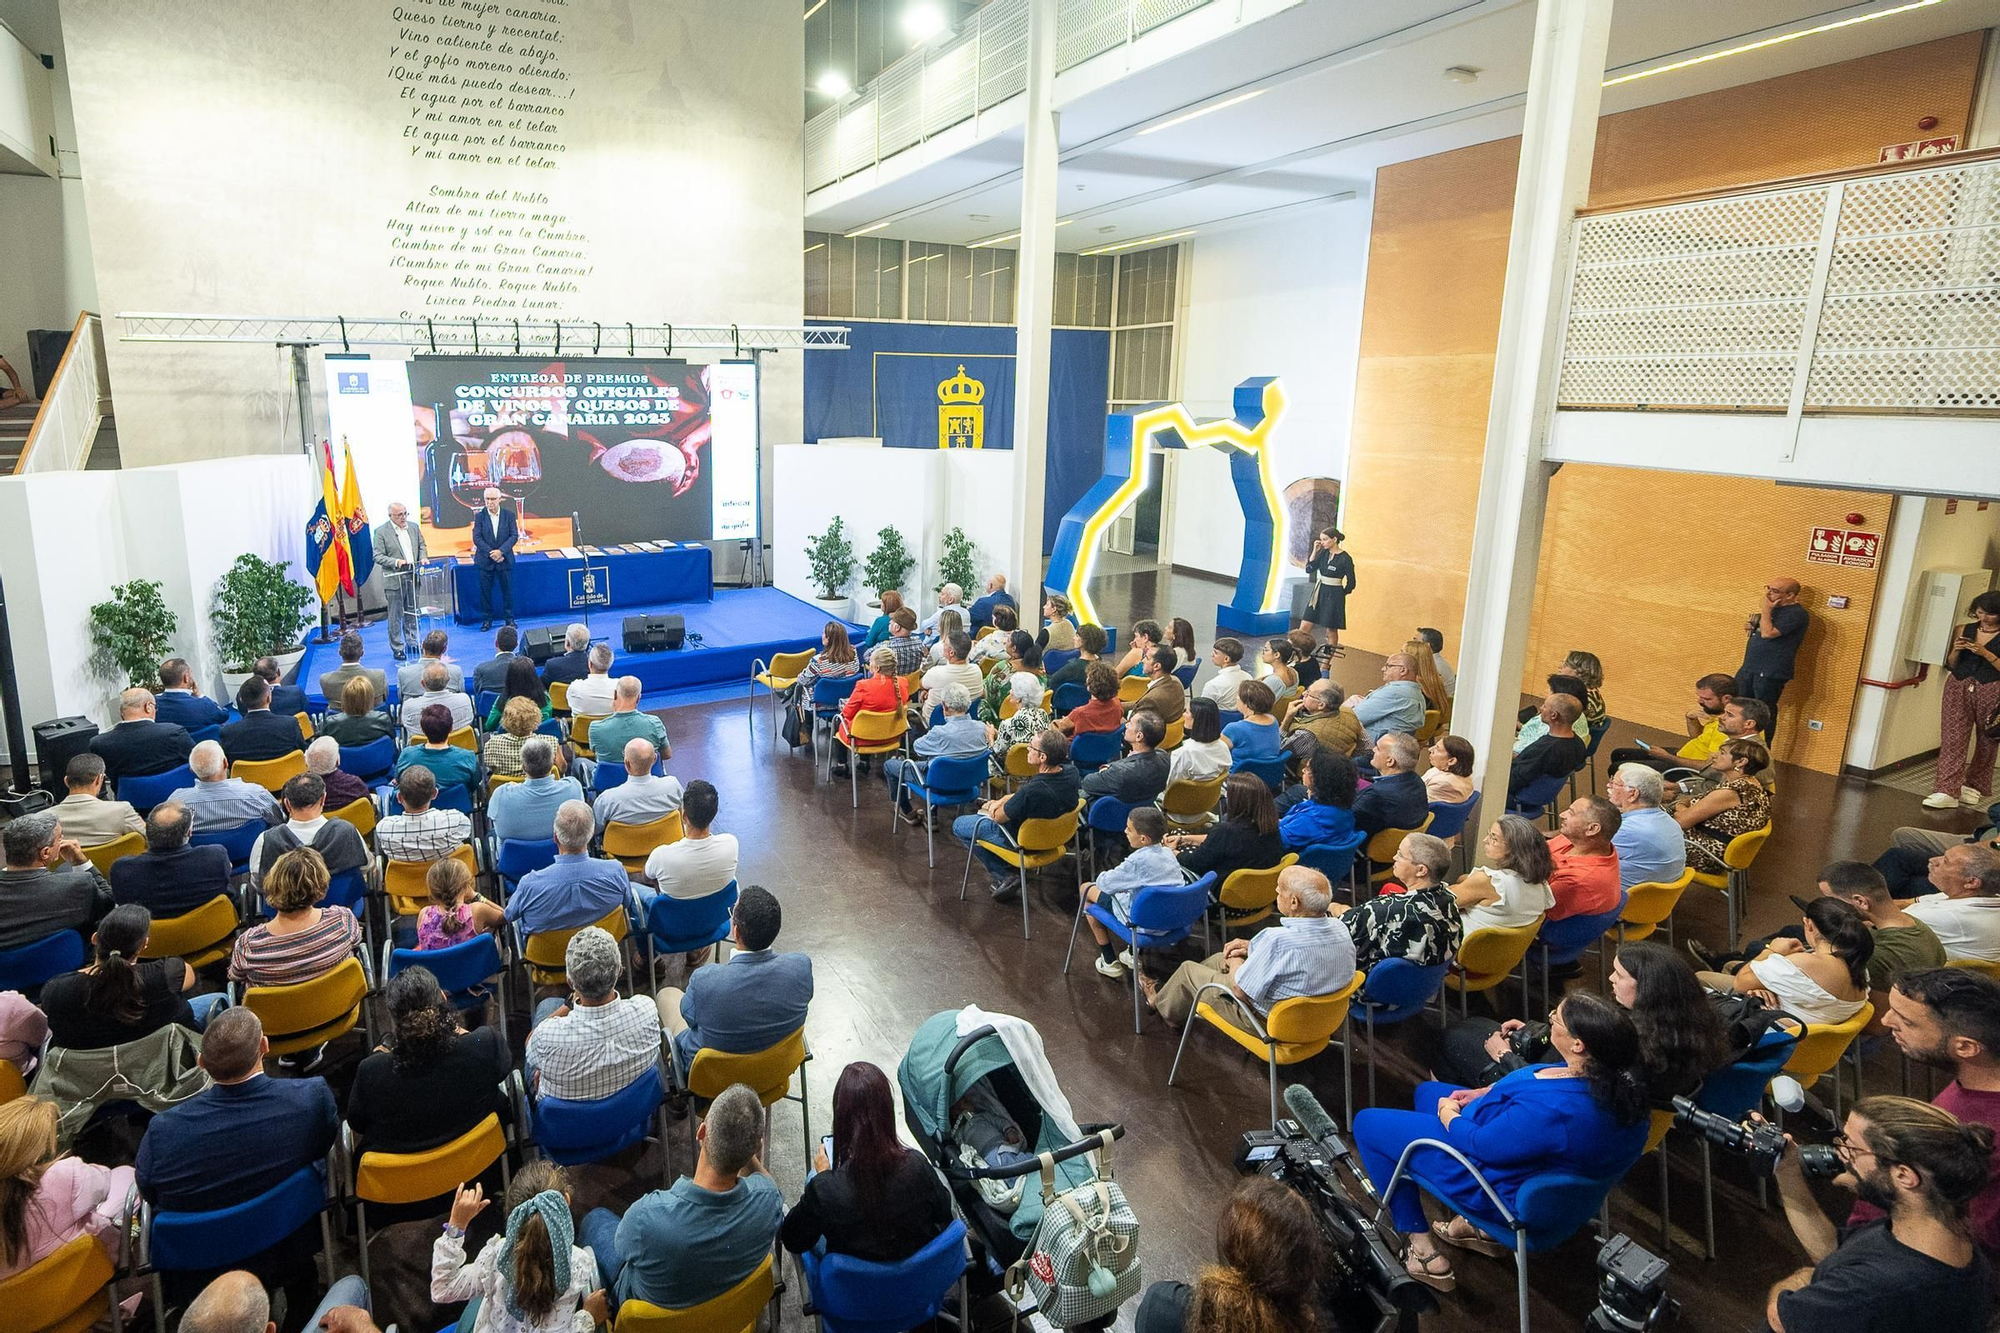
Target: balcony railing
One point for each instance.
(78, 400)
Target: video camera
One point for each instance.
(1364, 1285)
(1631, 1289)
(1759, 1143)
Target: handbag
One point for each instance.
(792, 729)
(1084, 1260)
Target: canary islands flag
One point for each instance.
(327, 554)
(360, 545)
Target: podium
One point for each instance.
(436, 597)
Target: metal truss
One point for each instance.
(479, 336)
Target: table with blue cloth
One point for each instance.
(542, 581)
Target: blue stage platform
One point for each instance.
(737, 627)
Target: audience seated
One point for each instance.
(1737, 804)
(448, 763)
(521, 682)
(180, 700)
(953, 670)
(1963, 909)
(86, 815)
(994, 645)
(501, 749)
(492, 673)
(1317, 712)
(1949, 1018)
(1586, 879)
(1305, 657)
(835, 660)
(1906, 863)
(1425, 673)
(1050, 794)
(455, 912)
(958, 736)
(139, 745)
(1823, 980)
(1141, 775)
(878, 629)
(1146, 636)
(119, 996)
(1202, 753)
(435, 694)
(410, 675)
(531, 1278)
(236, 1302)
(1742, 720)
(641, 798)
(1253, 738)
(1533, 726)
(342, 787)
(578, 889)
(936, 632)
(261, 733)
(1090, 644)
(284, 698)
(1058, 633)
(170, 877)
(984, 611)
(1902, 943)
(1103, 712)
(23, 1028)
(360, 719)
(1650, 846)
(610, 735)
(1227, 655)
(1323, 811)
(950, 598)
(1557, 753)
(875, 1199)
(525, 811)
(333, 684)
(1394, 706)
(1150, 864)
(334, 841)
(303, 940)
(1164, 693)
(573, 662)
(48, 883)
(591, 695)
(435, 1081)
(880, 691)
(1245, 837)
(1712, 694)
(1269, 1255)
(1420, 924)
(1309, 952)
(49, 1198)
(423, 832)
(1449, 779)
(751, 1002)
(1395, 798)
(592, 1043)
(1022, 656)
(1028, 720)
(1512, 888)
(1277, 669)
(217, 801)
(902, 641)
(1586, 1115)
(702, 861)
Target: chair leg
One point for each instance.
(967, 877)
(1521, 1275)
(1271, 1063)
(1708, 1198)
(361, 1236)
(1186, 1028)
(1347, 1072)
(1136, 1028)
(1024, 896)
(1371, 1061)
(1074, 927)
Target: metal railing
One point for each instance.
(1869, 291)
(933, 89)
(78, 400)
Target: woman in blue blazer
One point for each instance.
(1585, 1116)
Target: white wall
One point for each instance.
(1284, 300)
(265, 160)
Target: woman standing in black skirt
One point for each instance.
(1332, 573)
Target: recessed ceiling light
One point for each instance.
(1462, 74)
(833, 83)
(1143, 240)
(863, 231)
(922, 21)
(1202, 111)
(1770, 41)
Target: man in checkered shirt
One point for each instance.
(903, 641)
(594, 1043)
(422, 832)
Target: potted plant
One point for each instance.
(831, 557)
(258, 612)
(956, 566)
(886, 565)
(132, 634)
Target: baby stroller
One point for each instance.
(1035, 1188)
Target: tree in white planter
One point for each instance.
(886, 565)
(831, 557)
(956, 565)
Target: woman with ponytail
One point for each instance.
(533, 1277)
(1268, 1257)
(47, 1200)
(434, 1082)
(120, 996)
(1585, 1116)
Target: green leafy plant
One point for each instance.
(132, 633)
(832, 558)
(956, 566)
(886, 565)
(257, 610)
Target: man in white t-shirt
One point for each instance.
(592, 695)
(1964, 913)
(953, 670)
(1228, 658)
(702, 862)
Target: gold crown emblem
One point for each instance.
(960, 388)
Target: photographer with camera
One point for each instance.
(1915, 1268)
(1585, 1115)
(1268, 1256)
(1949, 1018)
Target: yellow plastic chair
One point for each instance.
(1249, 896)
(734, 1311)
(310, 1013)
(1131, 689)
(1822, 1048)
(1192, 804)
(1008, 707)
(913, 684)
(1647, 905)
(559, 696)
(1176, 733)
(495, 781)
(305, 723)
(1018, 769)
(1037, 843)
(1982, 965)
(120, 847)
(778, 676)
(579, 734)
(1382, 849)
(465, 738)
(403, 881)
(412, 1177)
(12, 1085)
(1488, 957)
(270, 774)
(873, 732)
(984, 630)
(1296, 1029)
(202, 936)
(633, 843)
(989, 665)
(767, 1072)
(544, 952)
(359, 812)
(67, 1292)
(1433, 723)
(1738, 855)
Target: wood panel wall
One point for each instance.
(1652, 571)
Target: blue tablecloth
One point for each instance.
(543, 583)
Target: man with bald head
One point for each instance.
(399, 549)
(1557, 752)
(236, 1302)
(1309, 952)
(610, 735)
(494, 532)
(641, 797)
(577, 889)
(1397, 704)
(1776, 628)
(140, 745)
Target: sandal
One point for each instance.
(1469, 1239)
(1421, 1268)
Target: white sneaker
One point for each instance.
(1125, 957)
(1940, 800)
(1967, 796)
(1116, 971)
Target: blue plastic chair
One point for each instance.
(1185, 674)
(1055, 659)
(211, 732)
(227, 1237)
(143, 793)
(682, 925)
(1590, 760)
(1105, 815)
(457, 796)
(1560, 943)
(1396, 989)
(1228, 715)
(1272, 771)
(1335, 860)
(373, 762)
(1094, 749)
(519, 857)
(945, 781)
(460, 970)
(30, 965)
(855, 1296)
(1069, 696)
(1733, 1092)
(1536, 796)
(573, 1133)
(936, 718)
(829, 693)
(348, 889)
(1447, 820)
(1162, 916)
(608, 774)
(553, 729)
(482, 707)
(236, 841)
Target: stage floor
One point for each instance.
(736, 628)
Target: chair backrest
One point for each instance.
(1538, 793)
(1185, 674)
(579, 728)
(1651, 902)
(1272, 771)
(1094, 749)
(12, 1085)
(734, 1311)
(1131, 689)
(495, 781)
(1743, 848)
(1309, 1020)
(236, 841)
(573, 1131)
(1332, 859)
(1169, 909)
(520, 856)
(875, 729)
(912, 683)
(482, 706)
(1734, 1090)
(768, 1072)
(1822, 1046)
(630, 842)
(1986, 966)
(270, 774)
(1046, 835)
(29, 965)
(829, 692)
(1017, 764)
(308, 1005)
(1249, 890)
(143, 793)
(962, 776)
(546, 952)
(189, 1242)
(359, 812)
(1186, 799)
(1069, 695)
(412, 1177)
(1555, 1205)
(458, 967)
(559, 696)
(403, 881)
(1448, 819)
(104, 853)
(1229, 715)
(465, 738)
(852, 1293)
(1008, 707)
(1176, 733)
(691, 923)
(787, 666)
(1055, 659)
(191, 933)
(1496, 950)
(63, 1292)
(1397, 984)
(1107, 814)
(1565, 939)
(1382, 846)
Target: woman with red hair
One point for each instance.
(875, 1199)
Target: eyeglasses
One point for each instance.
(1850, 1150)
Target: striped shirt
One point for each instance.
(422, 837)
(595, 1050)
(264, 958)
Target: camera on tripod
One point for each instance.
(1759, 1143)
(1631, 1289)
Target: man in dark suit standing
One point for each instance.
(260, 733)
(284, 698)
(494, 532)
(180, 701)
(140, 745)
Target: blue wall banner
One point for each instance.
(935, 386)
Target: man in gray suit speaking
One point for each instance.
(399, 549)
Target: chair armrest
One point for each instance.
(1256, 1024)
(388, 951)
(1506, 1214)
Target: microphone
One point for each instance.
(575, 527)
(1314, 1120)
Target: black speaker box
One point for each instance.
(56, 743)
(651, 634)
(540, 645)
